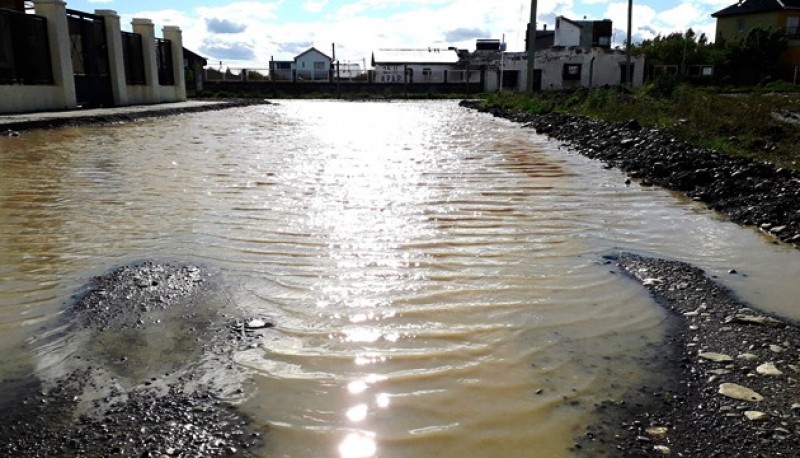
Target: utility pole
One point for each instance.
(629, 68)
(532, 47)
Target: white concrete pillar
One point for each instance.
(116, 56)
(146, 29)
(55, 11)
(175, 36)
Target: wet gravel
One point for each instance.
(716, 345)
(749, 192)
(147, 370)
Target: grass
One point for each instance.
(741, 124)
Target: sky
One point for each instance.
(248, 33)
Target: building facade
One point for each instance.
(736, 21)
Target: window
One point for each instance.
(740, 25)
(572, 72)
(319, 65)
(426, 74)
(792, 26)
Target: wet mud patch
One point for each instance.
(142, 367)
(724, 385)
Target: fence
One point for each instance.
(166, 76)
(133, 55)
(24, 49)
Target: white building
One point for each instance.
(312, 65)
(581, 56)
(430, 65)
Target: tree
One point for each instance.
(756, 57)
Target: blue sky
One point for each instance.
(248, 33)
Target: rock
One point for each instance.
(776, 348)
(769, 369)
(753, 319)
(716, 357)
(739, 392)
(258, 324)
(754, 415)
(748, 357)
(662, 450)
(657, 432)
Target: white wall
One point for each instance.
(394, 73)
(567, 33)
(22, 99)
(305, 66)
(598, 68)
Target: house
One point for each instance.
(312, 65)
(426, 65)
(735, 21)
(585, 34)
(281, 70)
(193, 64)
(580, 56)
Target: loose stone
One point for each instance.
(769, 369)
(657, 432)
(716, 357)
(754, 415)
(739, 392)
(662, 450)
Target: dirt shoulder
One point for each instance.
(748, 192)
(728, 382)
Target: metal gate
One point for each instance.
(87, 34)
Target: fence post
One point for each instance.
(175, 36)
(116, 58)
(55, 11)
(146, 29)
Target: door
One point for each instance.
(87, 35)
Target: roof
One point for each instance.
(570, 21)
(415, 56)
(312, 49)
(757, 6)
(194, 57)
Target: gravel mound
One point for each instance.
(145, 370)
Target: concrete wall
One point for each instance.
(599, 67)
(61, 94)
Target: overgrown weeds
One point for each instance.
(759, 124)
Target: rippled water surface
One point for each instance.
(436, 275)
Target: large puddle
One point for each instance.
(436, 275)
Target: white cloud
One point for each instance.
(361, 26)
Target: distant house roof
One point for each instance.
(414, 56)
(570, 21)
(192, 57)
(312, 49)
(757, 6)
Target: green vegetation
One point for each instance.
(751, 125)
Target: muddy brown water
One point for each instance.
(436, 275)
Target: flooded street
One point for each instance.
(436, 275)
